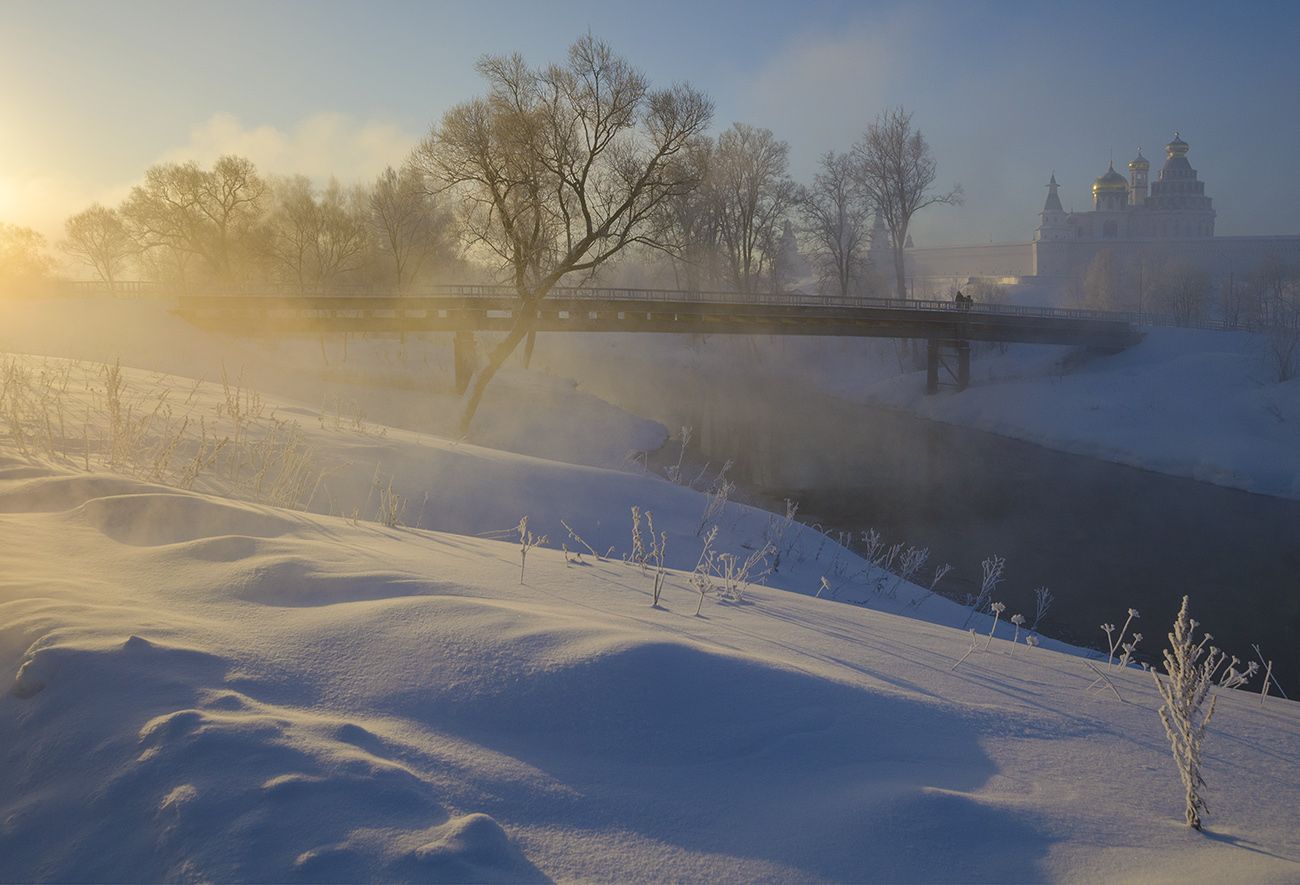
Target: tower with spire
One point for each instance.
(1052, 220)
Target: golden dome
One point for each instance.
(1177, 147)
(1110, 183)
(1140, 162)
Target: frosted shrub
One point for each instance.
(1189, 669)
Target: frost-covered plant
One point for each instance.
(1189, 671)
(1017, 620)
(1031, 641)
(716, 499)
(939, 572)
(574, 536)
(737, 575)
(391, 505)
(674, 471)
(657, 546)
(909, 564)
(638, 545)
(997, 608)
(974, 643)
(702, 577)
(1043, 600)
(993, 567)
(1129, 648)
(1234, 678)
(527, 541)
(1116, 640)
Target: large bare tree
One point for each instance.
(896, 172)
(189, 212)
(97, 237)
(559, 169)
(22, 254)
(410, 226)
(838, 221)
(751, 190)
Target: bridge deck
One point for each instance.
(273, 315)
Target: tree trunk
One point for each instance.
(899, 270)
(524, 321)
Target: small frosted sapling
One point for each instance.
(527, 541)
(997, 608)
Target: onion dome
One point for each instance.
(1110, 183)
(1139, 162)
(1177, 147)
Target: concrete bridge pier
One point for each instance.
(953, 357)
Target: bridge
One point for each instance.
(947, 327)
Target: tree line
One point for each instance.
(556, 147)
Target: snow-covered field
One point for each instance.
(208, 687)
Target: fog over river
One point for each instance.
(1102, 537)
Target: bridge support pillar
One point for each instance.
(957, 368)
(463, 355)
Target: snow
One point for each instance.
(207, 687)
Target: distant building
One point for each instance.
(1144, 224)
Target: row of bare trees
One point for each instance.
(546, 178)
(229, 224)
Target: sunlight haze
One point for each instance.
(1006, 93)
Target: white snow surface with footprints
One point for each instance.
(208, 687)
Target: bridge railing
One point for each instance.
(470, 291)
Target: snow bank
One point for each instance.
(206, 687)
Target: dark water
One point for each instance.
(1102, 537)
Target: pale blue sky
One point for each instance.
(1006, 92)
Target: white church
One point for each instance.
(1144, 223)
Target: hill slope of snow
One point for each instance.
(206, 687)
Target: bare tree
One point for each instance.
(315, 238)
(751, 190)
(838, 222)
(210, 215)
(410, 226)
(22, 254)
(1182, 289)
(690, 220)
(1275, 305)
(559, 169)
(97, 237)
(1101, 282)
(896, 172)
(289, 235)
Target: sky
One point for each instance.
(1006, 93)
